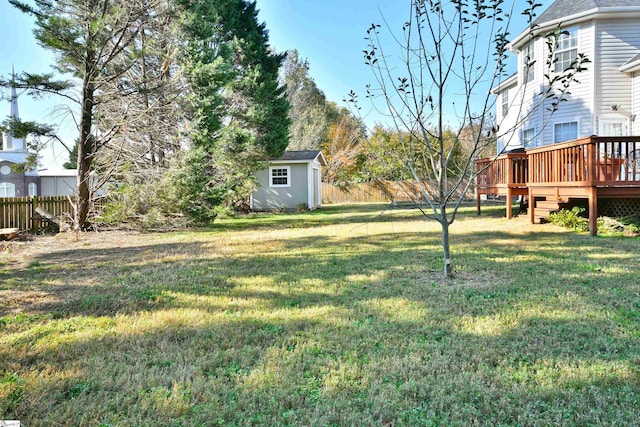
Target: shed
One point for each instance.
(290, 182)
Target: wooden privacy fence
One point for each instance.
(20, 212)
(376, 191)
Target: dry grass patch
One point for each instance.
(335, 317)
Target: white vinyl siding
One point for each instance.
(635, 118)
(616, 43)
(578, 106)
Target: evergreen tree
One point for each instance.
(239, 111)
(311, 116)
(93, 41)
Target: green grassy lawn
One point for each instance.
(335, 317)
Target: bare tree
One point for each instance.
(434, 81)
(143, 108)
(95, 45)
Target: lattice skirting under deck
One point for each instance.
(619, 208)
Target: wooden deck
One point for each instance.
(592, 169)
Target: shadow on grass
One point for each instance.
(542, 329)
(503, 270)
(359, 365)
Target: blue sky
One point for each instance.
(329, 33)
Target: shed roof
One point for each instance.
(302, 156)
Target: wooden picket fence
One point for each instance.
(20, 212)
(373, 192)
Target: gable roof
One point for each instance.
(302, 156)
(568, 12)
(510, 81)
(562, 9)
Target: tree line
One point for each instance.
(178, 103)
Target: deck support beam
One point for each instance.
(532, 206)
(593, 211)
(478, 201)
(509, 202)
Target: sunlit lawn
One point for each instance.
(336, 317)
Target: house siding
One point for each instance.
(275, 198)
(579, 103)
(636, 103)
(617, 41)
(508, 136)
(531, 114)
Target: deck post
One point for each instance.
(509, 202)
(478, 201)
(532, 206)
(593, 211)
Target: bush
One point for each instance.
(570, 219)
(148, 202)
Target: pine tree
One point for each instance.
(93, 41)
(239, 111)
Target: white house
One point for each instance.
(290, 182)
(605, 102)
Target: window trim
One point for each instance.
(577, 122)
(504, 97)
(7, 185)
(528, 63)
(573, 35)
(532, 141)
(272, 169)
(32, 188)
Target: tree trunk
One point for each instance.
(85, 149)
(446, 250)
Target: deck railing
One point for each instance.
(592, 161)
(508, 170)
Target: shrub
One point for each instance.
(570, 219)
(148, 202)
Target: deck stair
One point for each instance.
(546, 207)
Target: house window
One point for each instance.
(529, 137)
(528, 61)
(7, 189)
(566, 50)
(500, 146)
(505, 103)
(33, 189)
(280, 176)
(565, 131)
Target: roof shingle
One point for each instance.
(298, 155)
(564, 8)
